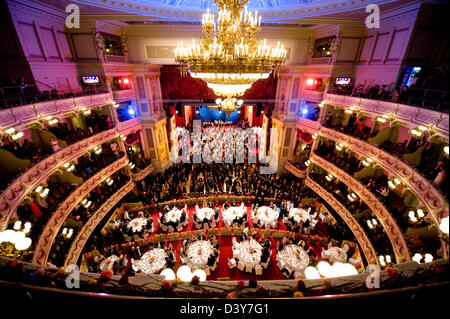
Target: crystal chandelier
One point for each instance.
(229, 57)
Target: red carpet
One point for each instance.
(223, 271)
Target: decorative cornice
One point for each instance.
(19, 117)
(97, 217)
(52, 227)
(358, 231)
(294, 170)
(143, 173)
(425, 191)
(387, 221)
(11, 198)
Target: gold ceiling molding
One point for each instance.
(13, 196)
(53, 226)
(387, 221)
(363, 241)
(80, 241)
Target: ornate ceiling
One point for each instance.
(191, 10)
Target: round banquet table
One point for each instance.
(335, 254)
(173, 215)
(299, 215)
(198, 253)
(108, 263)
(205, 214)
(151, 262)
(137, 225)
(265, 216)
(293, 258)
(231, 213)
(248, 252)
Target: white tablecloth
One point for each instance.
(293, 258)
(205, 213)
(266, 216)
(248, 252)
(107, 264)
(299, 215)
(151, 262)
(198, 253)
(231, 213)
(137, 225)
(173, 216)
(335, 254)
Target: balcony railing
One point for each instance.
(143, 173)
(123, 95)
(425, 191)
(11, 198)
(290, 167)
(48, 235)
(364, 242)
(390, 226)
(410, 114)
(122, 126)
(89, 227)
(23, 115)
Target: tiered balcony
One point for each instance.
(425, 191)
(290, 167)
(143, 173)
(53, 226)
(11, 198)
(123, 95)
(389, 224)
(83, 236)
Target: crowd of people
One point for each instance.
(70, 134)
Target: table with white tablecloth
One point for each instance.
(293, 258)
(173, 215)
(232, 213)
(198, 253)
(151, 262)
(265, 216)
(299, 214)
(205, 215)
(335, 254)
(137, 225)
(108, 263)
(248, 252)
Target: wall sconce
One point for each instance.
(51, 120)
(116, 105)
(418, 257)
(339, 147)
(69, 167)
(67, 233)
(367, 161)
(43, 192)
(315, 136)
(307, 162)
(16, 238)
(86, 203)
(416, 216)
(97, 150)
(123, 137)
(329, 177)
(109, 181)
(384, 260)
(321, 104)
(446, 149)
(352, 196)
(443, 225)
(14, 134)
(131, 165)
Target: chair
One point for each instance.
(180, 227)
(258, 270)
(240, 266)
(248, 269)
(207, 272)
(231, 263)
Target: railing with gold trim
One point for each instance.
(366, 246)
(123, 95)
(78, 244)
(387, 221)
(425, 191)
(143, 173)
(11, 198)
(52, 227)
(20, 116)
(412, 115)
(294, 170)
